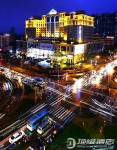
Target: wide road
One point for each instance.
(59, 93)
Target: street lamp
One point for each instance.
(77, 85)
(109, 91)
(58, 72)
(80, 108)
(19, 80)
(109, 71)
(97, 56)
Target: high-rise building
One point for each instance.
(73, 26)
(115, 24)
(105, 24)
(12, 34)
(4, 41)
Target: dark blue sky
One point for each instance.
(13, 13)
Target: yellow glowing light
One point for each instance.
(93, 81)
(109, 69)
(79, 83)
(97, 81)
(97, 56)
(19, 79)
(65, 37)
(115, 79)
(74, 89)
(64, 20)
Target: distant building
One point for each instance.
(21, 45)
(12, 35)
(109, 40)
(73, 26)
(4, 41)
(105, 25)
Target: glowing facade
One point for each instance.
(69, 26)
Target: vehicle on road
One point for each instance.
(35, 145)
(16, 137)
(42, 83)
(25, 81)
(43, 127)
(1, 88)
(36, 119)
(48, 61)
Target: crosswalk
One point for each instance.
(62, 113)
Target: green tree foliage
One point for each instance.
(110, 131)
(5, 54)
(58, 54)
(73, 131)
(23, 57)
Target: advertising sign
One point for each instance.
(46, 46)
(78, 49)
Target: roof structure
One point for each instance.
(52, 12)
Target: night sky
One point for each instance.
(13, 13)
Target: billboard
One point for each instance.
(46, 46)
(78, 49)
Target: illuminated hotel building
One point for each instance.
(73, 26)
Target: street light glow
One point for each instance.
(109, 69)
(77, 85)
(97, 81)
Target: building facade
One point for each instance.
(4, 41)
(105, 25)
(73, 26)
(72, 53)
(12, 34)
(40, 49)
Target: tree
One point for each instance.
(23, 58)
(58, 54)
(110, 131)
(5, 54)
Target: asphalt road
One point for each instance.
(60, 104)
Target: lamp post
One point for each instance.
(80, 109)
(110, 72)
(58, 74)
(111, 115)
(109, 91)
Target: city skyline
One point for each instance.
(14, 13)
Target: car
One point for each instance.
(36, 60)
(43, 127)
(42, 83)
(25, 81)
(1, 88)
(35, 145)
(17, 136)
(48, 60)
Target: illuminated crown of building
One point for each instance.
(53, 11)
